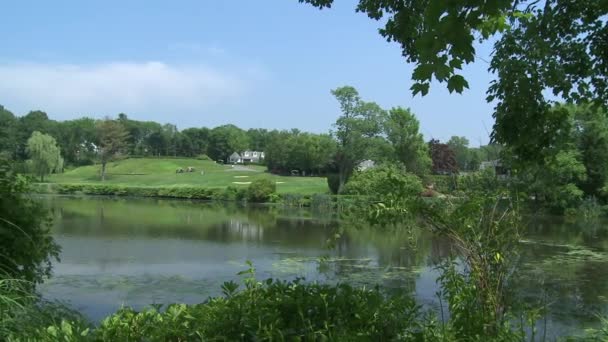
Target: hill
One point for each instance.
(159, 172)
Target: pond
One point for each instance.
(138, 252)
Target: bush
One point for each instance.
(260, 190)
(26, 245)
(333, 182)
(233, 193)
(264, 311)
(296, 200)
(384, 181)
(441, 183)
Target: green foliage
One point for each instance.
(441, 183)
(402, 130)
(460, 146)
(8, 133)
(486, 233)
(483, 182)
(26, 246)
(112, 140)
(294, 150)
(557, 47)
(44, 153)
(551, 45)
(573, 166)
(77, 140)
(384, 182)
(333, 182)
(225, 140)
(269, 310)
(260, 190)
(360, 121)
(190, 192)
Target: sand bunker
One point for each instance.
(241, 176)
(242, 183)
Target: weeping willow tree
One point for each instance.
(45, 155)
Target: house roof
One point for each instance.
(235, 155)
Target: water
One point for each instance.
(138, 252)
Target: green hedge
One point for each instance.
(189, 192)
(230, 193)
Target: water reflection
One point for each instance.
(137, 252)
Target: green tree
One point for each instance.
(77, 140)
(575, 165)
(225, 140)
(8, 127)
(26, 245)
(294, 150)
(170, 137)
(45, 155)
(258, 138)
(112, 140)
(199, 138)
(402, 130)
(460, 146)
(552, 46)
(591, 131)
(32, 121)
(359, 123)
(475, 159)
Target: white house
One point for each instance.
(235, 158)
(252, 156)
(246, 157)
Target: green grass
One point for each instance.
(159, 172)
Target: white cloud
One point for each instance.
(148, 87)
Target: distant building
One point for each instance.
(252, 156)
(488, 165)
(246, 157)
(235, 158)
(366, 165)
(497, 166)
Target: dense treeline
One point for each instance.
(79, 141)
(367, 132)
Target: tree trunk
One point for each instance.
(343, 177)
(42, 178)
(103, 171)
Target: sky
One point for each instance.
(253, 63)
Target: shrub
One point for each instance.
(233, 193)
(26, 245)
(333, 182)
(384, 181)
(263, 311)
(260, 190)
(190, 192)
(321, 201)
(442, 183)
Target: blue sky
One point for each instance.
(254, 63)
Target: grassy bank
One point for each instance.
(157, 177)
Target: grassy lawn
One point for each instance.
(158, 172)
